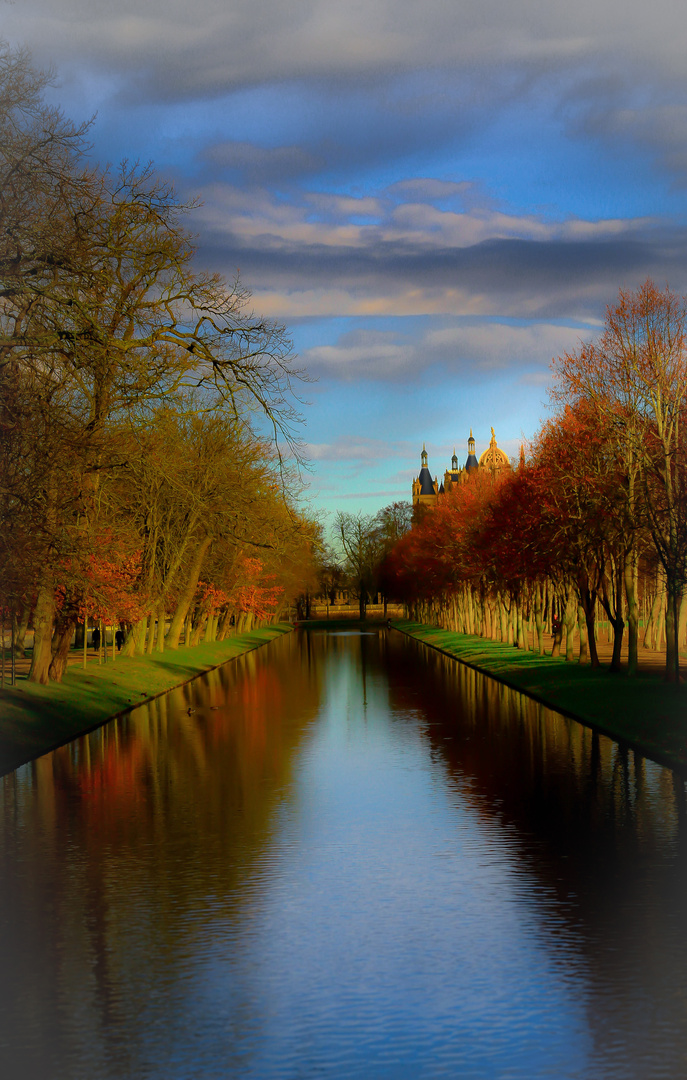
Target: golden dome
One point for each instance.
(493, 458)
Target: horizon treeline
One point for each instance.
(592, 521)
(148, 418)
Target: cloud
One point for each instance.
(260, 165)
(357, 450)
(172, 50)
(374, 80)
(660, 127)
(429, 189)
(457, 348)
(362, 354)
(327, 253)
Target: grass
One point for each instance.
(643, 711)
(35, 719)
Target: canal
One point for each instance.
(343, 855)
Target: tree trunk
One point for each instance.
(198, 624)
(20, 635)
(42, 634)
(618, 626)
(656, 607)
(584, 634)
(569, 619)
(683, 621)
(210, 627)
(588, 608)
(187, 594)
(673, 600)
(538, 620)
(160, 647)
(222, 625)
(152, 628)
(486, 624)
(135, 641)
(520, 638)
(59, 660)
(613, 607)
(630, 574)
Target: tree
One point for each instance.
(635, 377)
(393, 522)
(102, 320)
(41, 170)
(358, 535)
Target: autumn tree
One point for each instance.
(103, 316)
(635, 377)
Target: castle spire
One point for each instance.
(471, 462)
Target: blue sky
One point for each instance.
(435, 199)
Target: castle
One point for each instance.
(428, 492)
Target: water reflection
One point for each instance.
(344, 855)
(598, 839)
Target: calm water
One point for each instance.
(343, 856)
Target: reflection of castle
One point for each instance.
(427, 491)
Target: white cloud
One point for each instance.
(358, 450)
(470, 349)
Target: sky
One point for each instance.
(435, 199)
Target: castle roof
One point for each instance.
(472, 462)
(426, 482)
(493, 457)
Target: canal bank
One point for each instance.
(645, 712)
(35, 719)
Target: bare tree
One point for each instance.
(358, 535)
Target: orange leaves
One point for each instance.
(250, 590)
(104, 585)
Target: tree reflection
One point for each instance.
(119, 848)
(601, 841)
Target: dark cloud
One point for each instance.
(174, 50)
(555, 279)
(259, 165)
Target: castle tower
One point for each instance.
(425, 490)
(472, 462)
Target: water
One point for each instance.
(343, 856)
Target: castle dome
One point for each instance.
(493, 457)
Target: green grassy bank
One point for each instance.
(35, 719)
(643, 711)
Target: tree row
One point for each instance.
(148, 417)
(592, 520)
